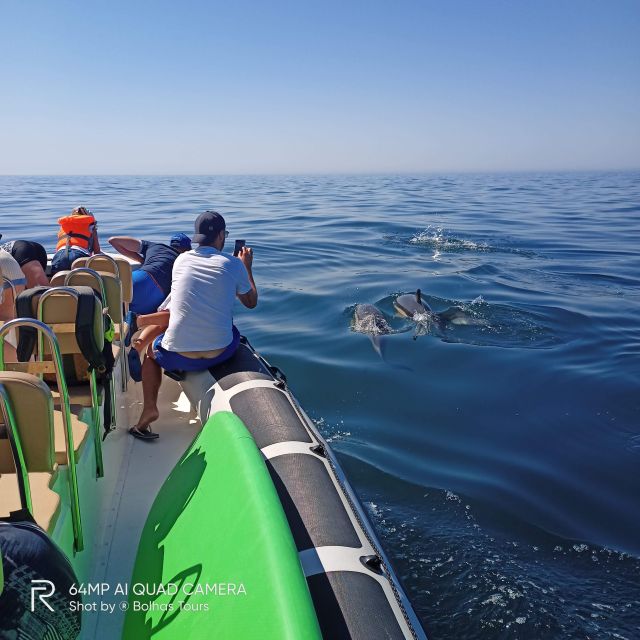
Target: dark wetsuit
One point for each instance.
(24, 251)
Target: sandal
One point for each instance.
(143, 434)
(135, 366)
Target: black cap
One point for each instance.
(208, 225)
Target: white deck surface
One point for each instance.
(134, 472)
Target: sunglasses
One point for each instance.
(226, 233)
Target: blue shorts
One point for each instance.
(63, 259)
(171, 361)
(147, 295)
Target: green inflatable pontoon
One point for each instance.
(216, 558)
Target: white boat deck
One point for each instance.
(134, 472)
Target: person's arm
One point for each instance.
(250, 298)
(96, 241)
(127, 246)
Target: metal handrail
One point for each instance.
(107, 257)
(42, 328)
(12, 286)
(93, 273)
(15, 443)
(93, 382)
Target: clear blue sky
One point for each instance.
(315, 87)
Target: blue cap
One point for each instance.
(180, 241)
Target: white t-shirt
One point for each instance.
(9, 268)
(204, 285)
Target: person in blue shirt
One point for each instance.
(152, 281)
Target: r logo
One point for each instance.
(45, 585)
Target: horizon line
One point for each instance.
(326, 173)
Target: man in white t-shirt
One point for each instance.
(201, 334)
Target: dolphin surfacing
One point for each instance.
(368, 319)
(412, 306)
(409, 304)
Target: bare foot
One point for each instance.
(146, 418)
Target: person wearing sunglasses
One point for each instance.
(199, 324)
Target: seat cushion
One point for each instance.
(80, 432)
(78, 395)
(46, 503)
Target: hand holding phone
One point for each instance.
(239, 245)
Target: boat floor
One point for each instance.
(134, 472)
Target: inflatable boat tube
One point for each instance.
(355, 592)
(217, 550)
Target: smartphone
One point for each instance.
(239, 245)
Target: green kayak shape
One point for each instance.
(216, 558)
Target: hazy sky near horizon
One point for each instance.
(318, 87)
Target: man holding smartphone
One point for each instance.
(200, 332)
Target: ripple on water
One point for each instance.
(545, 428)
(536, 588)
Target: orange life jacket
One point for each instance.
(76, 231)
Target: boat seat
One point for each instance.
(114, 302)
(104, 264)
(79, 395)
(111, 283)
(79, 429)
(46, 502)
(32, 407)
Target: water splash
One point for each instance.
(442, 241)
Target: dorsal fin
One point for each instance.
(418, 296)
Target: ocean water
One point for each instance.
(499, 461)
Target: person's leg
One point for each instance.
(32, 258)
(152, 325)
(151, 381)
(159, 319)
(10, 354)
(34, 274)
(146, 337)
(8, 304)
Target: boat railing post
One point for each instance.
(15, 443)
(93, 384)
(6, 282)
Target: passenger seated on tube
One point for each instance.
(77, 237)
(200, 332)
(32, 258)
(152, 281)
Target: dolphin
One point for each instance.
(414, 307)
(368, 319)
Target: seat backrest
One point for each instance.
(111, 285)
(32, 407)
(105, 264)
(59, 311)
(57, 280)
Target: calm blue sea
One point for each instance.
(500, 462)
